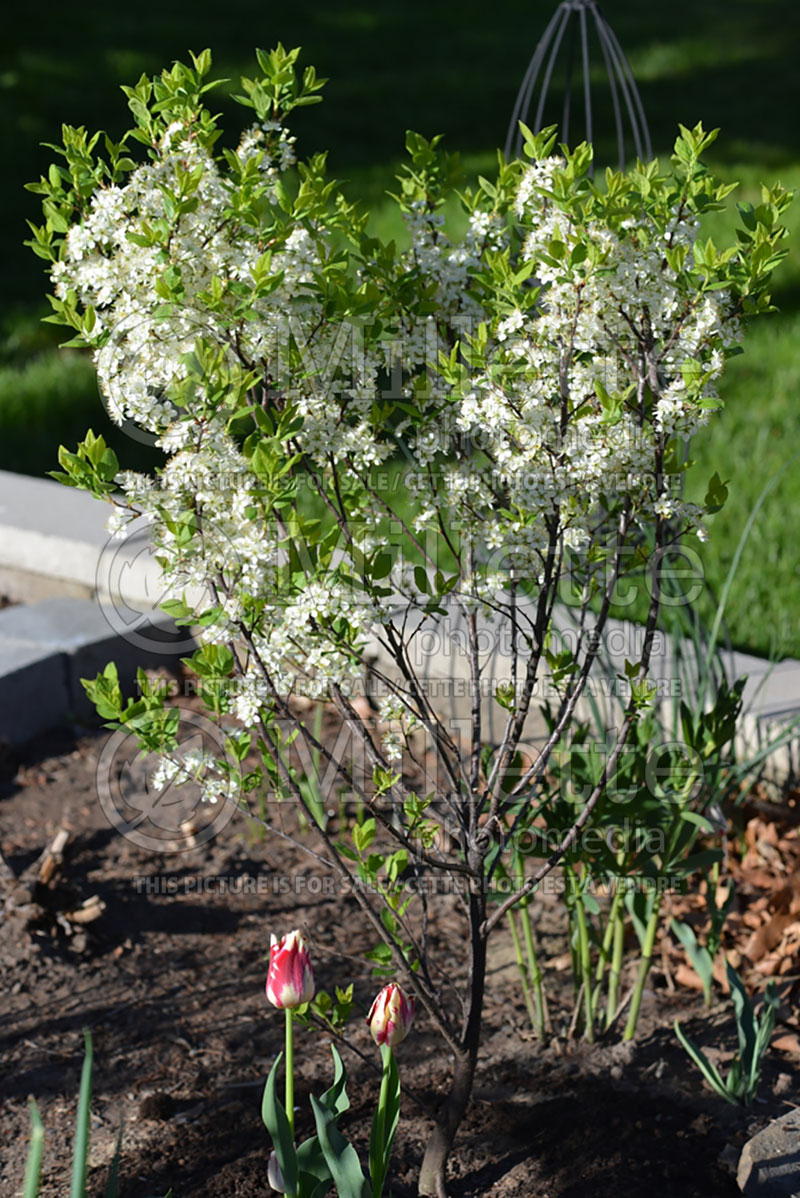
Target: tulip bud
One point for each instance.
(290, 981)
(391, 1015)
(274, 1175)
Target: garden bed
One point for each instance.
(171, 986)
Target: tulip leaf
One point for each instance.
(277, 1124)
(315, 1176)
(340, 1156)
(335, 1098)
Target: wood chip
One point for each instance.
(90, 910)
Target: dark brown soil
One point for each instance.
(171, 986)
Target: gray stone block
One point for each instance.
(769, 1166)
(73, 639)
(33, 690)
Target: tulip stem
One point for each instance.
(379, 1177)
(290, 1070)
(386, 1054)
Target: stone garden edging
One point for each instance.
(86, 599)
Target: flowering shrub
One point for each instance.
(532, 387)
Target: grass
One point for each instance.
(437, 68)
(755, 440)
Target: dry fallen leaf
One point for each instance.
(788, 1042)
(686, 976)
(767, 937)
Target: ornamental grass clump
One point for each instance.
(363, 442)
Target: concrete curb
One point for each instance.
(84, 600)
(45, 650)
(53, 541)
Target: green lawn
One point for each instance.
(438, 68)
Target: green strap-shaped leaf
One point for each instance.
(335, 1098)
(745, 1018)
(112, 1185)
(640, 907)
(763, 1035)
(314, 1174)
(81, 1151)
(699, 956)
(341, 1157)
(735, 1084)
(277, 1124)
(34, 1165)
(709, 1071)
(312, 1167)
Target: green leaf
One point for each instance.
(745, 1016)
(314, 1174)
(363, 835)
(81, 1150)
(105, 692)
(381, 566)
(335, 1098)
(709, 1071)
(505, 694)
(34, 1164)
(699, 956)
(340, 1156)
(766, 1027)
(716, 495)
(696, 861)
(177, 608)
(640, 908)
(700, 821)
(112, 1185)
(421, 579)
(276, 1122)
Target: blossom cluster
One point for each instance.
(239, 313)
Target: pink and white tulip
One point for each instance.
(290, 980)
(391, 1015)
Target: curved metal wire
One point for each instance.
(572, 18)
